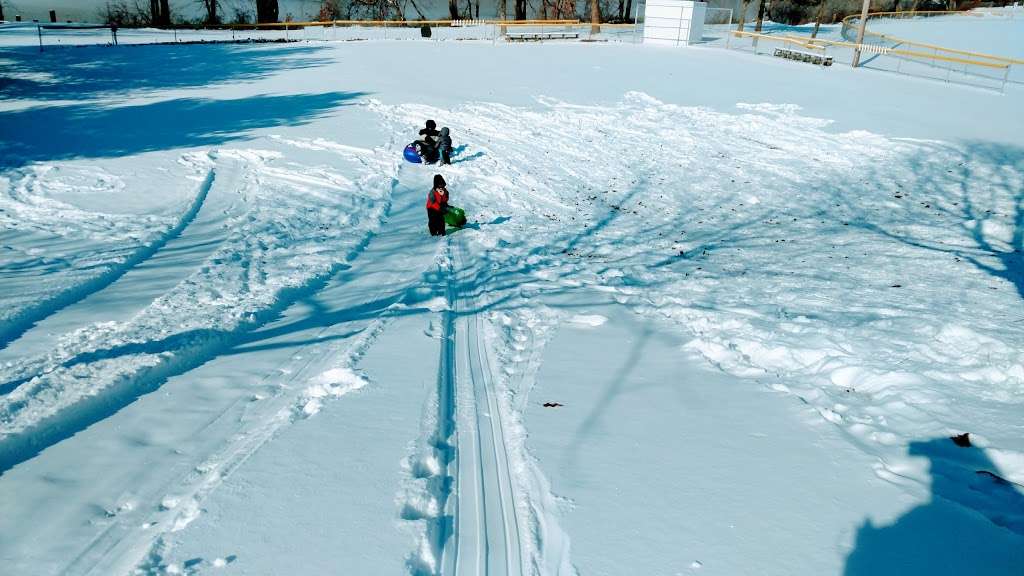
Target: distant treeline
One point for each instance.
(162, 13)
(795, 12)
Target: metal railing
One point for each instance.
(959, 67)
(850, 24)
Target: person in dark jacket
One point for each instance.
(428, 142)
(437, 205)
(444, 146)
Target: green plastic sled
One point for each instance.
(455, 217)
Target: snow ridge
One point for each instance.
(21, 319)
(313, 374)
(278, 252)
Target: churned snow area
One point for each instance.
(713, 313)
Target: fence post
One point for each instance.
(636, 25)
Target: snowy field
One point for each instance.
(714, 313)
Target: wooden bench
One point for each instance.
(801, 56)
(538, 36)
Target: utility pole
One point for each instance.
(860, 32)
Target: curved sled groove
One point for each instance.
(180, 353)
(24, 321)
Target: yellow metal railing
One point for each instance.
(973, 56)
(821, 44)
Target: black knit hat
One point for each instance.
(439, 181)
(431, 124)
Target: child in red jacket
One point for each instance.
(437, 205)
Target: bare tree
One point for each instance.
(567, 9)
(160, 13)
(453, 9)
(743, 15)
(266, 11)
(379, 9)
(329, 10)
(417, 9)
(210, 6)
(1, 10)
(760, 16)
(520, 8)
(125, 13)
(595, 17)
(818, 17)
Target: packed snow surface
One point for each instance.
(713, 313)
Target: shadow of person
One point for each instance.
(973, 523)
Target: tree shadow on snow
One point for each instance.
(101, 131)
(973, 523)
(89, 72)
(969, 194)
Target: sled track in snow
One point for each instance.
(21, 323)
(485, 535)
(146, 551)
(444, 442)
(187, 351)
(117, 550)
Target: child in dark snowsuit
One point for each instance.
(444, 146)
(428, 142)
(437, 205)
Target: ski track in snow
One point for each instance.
(487, 527)
(468, 501)
(397, 290)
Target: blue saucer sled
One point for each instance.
(412, 155)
